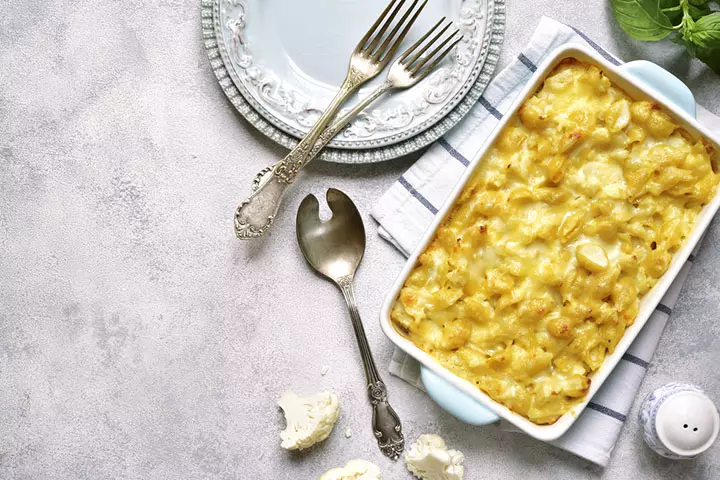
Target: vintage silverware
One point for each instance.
(255, 215)
(412, 66)
(334, 248)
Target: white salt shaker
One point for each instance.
(679, 421)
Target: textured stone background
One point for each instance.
(139, 339)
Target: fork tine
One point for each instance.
(390, 45)
(439, 59)
(429, 44)
(372, 29)
(387, 21)
(417, 67)
(415, 45)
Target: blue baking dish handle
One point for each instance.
(458, 404)
(663, 83)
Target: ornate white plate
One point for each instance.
(281, 61)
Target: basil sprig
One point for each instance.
(693, 24)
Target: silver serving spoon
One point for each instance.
(334, 249)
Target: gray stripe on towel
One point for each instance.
(418, 196)
(608, 56)
(527, 62)
(636, 360)
(488, 106)
(607, 411)
(453, 153)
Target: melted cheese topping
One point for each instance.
(571, 217)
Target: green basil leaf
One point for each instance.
(698, 12)
(642, 19)
(699, 3)
(706, 31)
(672, 9)
(711, 56)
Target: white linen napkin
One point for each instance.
(406, 210)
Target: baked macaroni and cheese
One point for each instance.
(571, 217)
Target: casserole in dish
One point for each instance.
(557, 243)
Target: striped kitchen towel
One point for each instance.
(406, 210)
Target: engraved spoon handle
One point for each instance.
(385, 422)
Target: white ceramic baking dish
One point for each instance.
(641, 80)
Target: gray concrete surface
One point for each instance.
(139, 339)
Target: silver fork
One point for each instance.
(255, 215)
(413, 65)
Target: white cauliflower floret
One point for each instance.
(354, 470)
(309, 420)
(429, 459)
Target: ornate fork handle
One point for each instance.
(255, 215)
(330, 132)
(385, 422)
(289, 166)
(268, 189)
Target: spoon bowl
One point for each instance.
(335, 247)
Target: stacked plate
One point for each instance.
(280, 62)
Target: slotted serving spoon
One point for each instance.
(334, 249)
